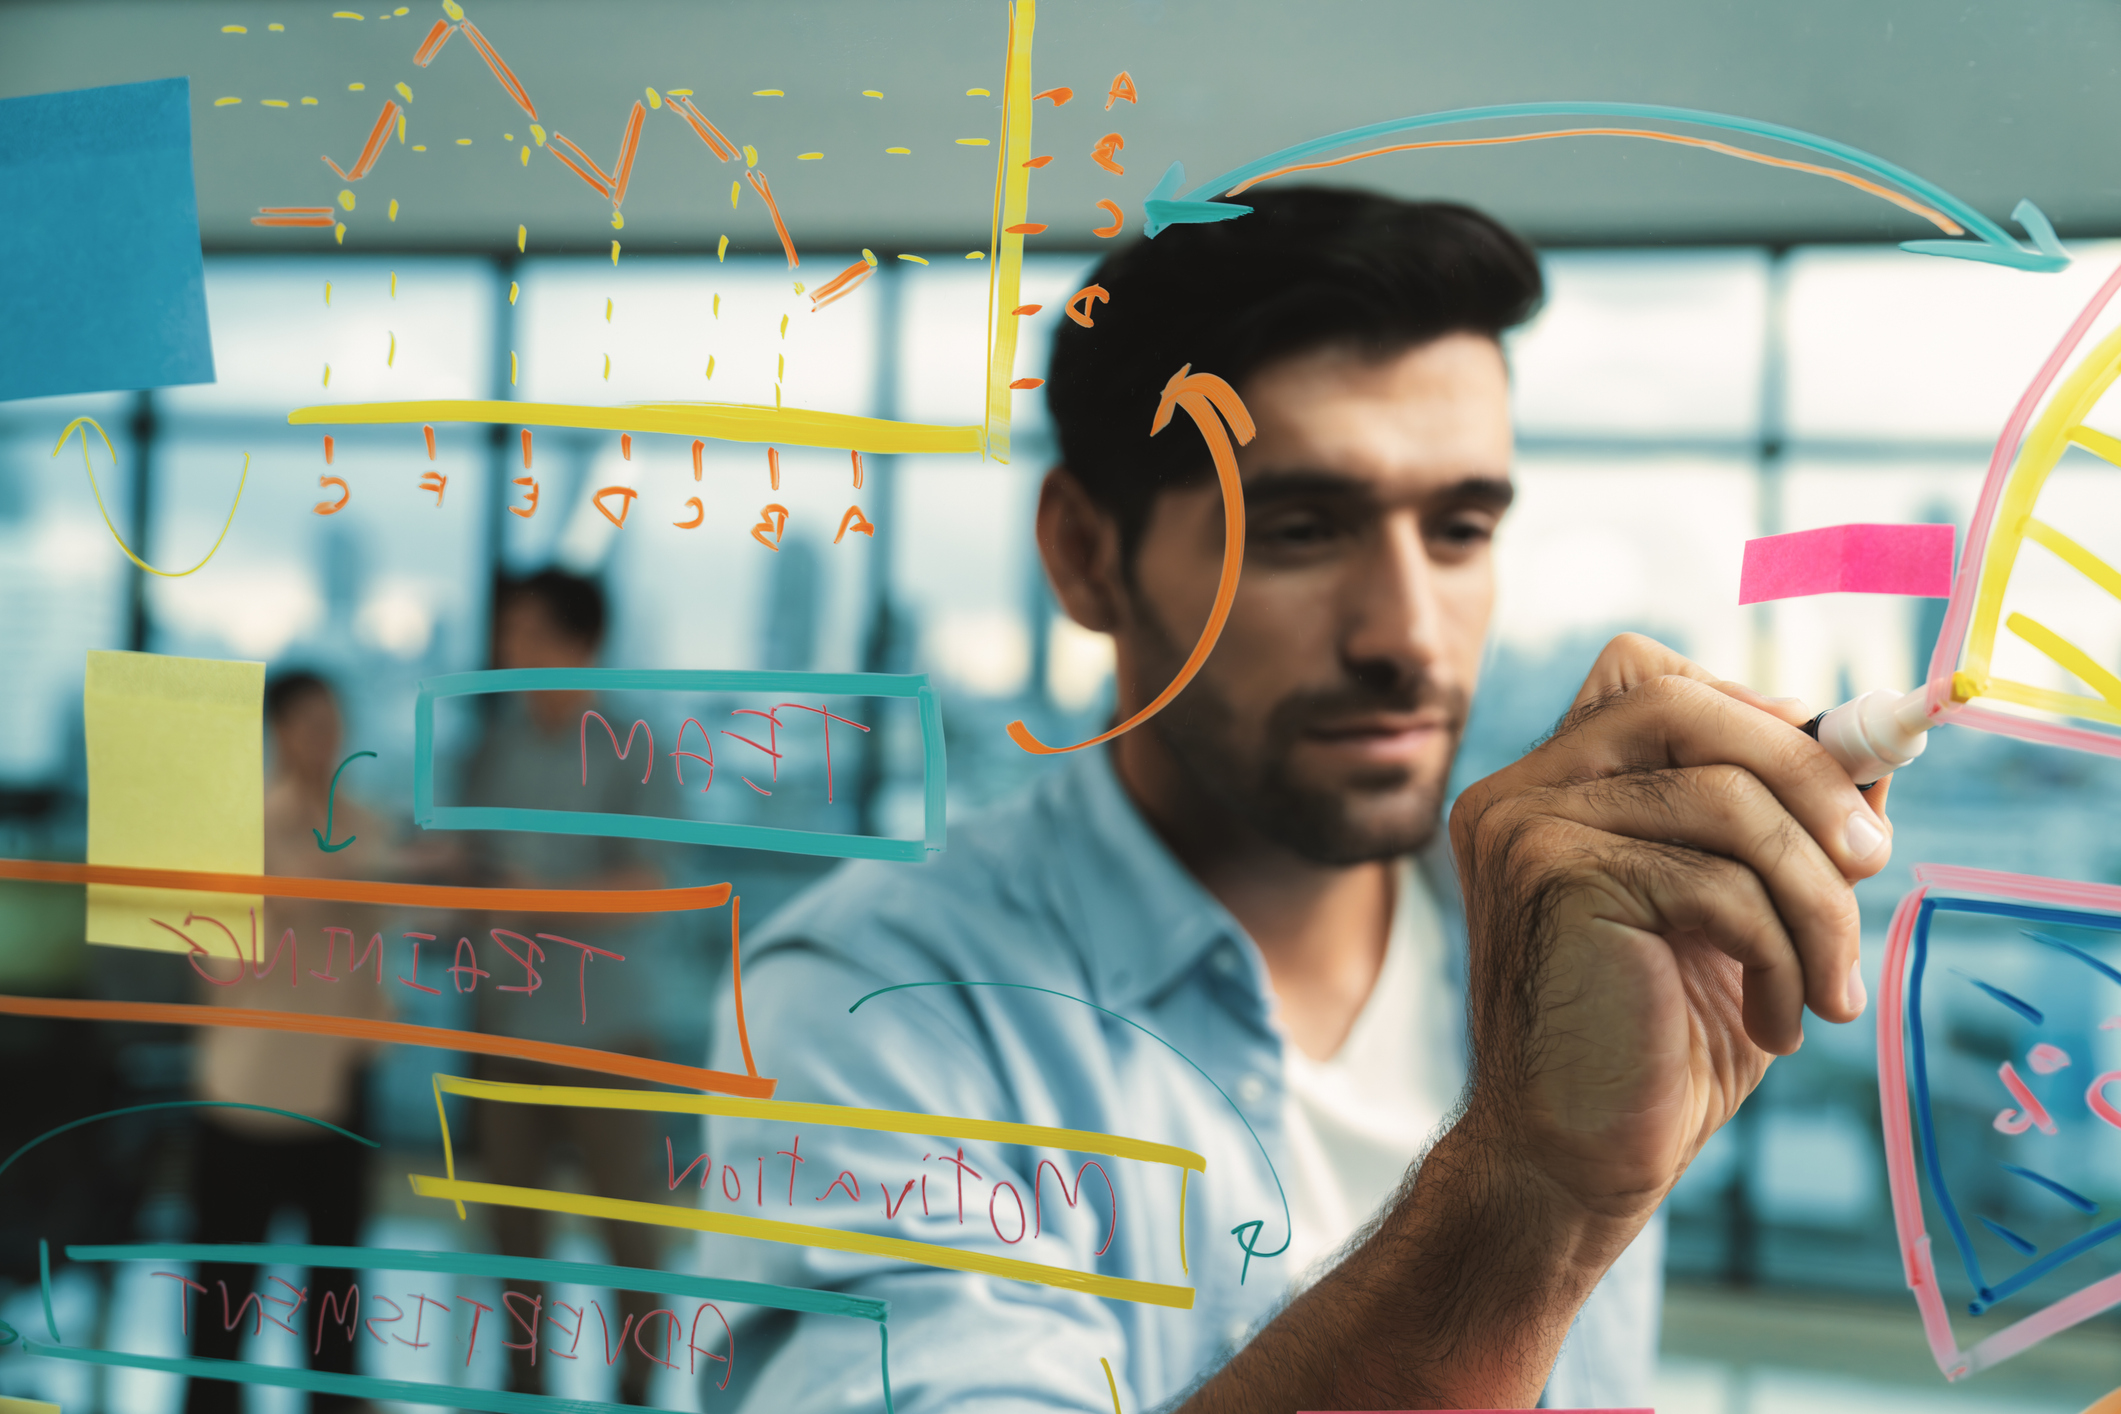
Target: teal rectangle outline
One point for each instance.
(537, 1269)
(934, 773)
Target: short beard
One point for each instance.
(1325, 827)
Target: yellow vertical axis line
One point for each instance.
(2043, 447)
(1185, 1176)
(1111, 1384)
(449, 1157)
(1012, 206)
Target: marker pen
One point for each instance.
(1874, 735)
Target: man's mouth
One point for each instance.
(1381, 736)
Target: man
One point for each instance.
(534, 754)
(1652, 896)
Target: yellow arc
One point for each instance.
(98, 493)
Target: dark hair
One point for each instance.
(288, 688)
(1309, 268)
(574, 603)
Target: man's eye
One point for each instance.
(1465, 531)
(1306, 529)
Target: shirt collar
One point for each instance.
(1147, 921)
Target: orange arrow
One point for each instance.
(1203, 396)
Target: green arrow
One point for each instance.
(331, 801)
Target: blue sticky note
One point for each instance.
(101, 284)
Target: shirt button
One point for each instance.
(1252, 1089)
(1226, 961)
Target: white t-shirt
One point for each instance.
(1355, 1121)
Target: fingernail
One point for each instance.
(1863, 837)
(1858, 995)
(1795, 704)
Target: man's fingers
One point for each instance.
(1724, 904)
(1632, 659)
(1726, 811)
(1679, 721)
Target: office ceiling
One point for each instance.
(1993, 102)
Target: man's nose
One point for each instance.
(1391, 614)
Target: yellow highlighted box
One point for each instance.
(1081, 1141)
(927, 1254)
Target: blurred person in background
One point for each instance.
(531, 754)
(249, 1164)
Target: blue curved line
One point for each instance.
(179, 1105)
(2017, 1004)
(1988, 231)
(2017, 1244)
(2076, 952)
(1251, 1249)
(2067, 1194)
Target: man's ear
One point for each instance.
(1080, 544)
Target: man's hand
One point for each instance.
(1654, 896)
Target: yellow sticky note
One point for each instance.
(176, 780)
(10, 1405)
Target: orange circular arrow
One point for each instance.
(1203, 396)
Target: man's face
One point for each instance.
(1328, 715)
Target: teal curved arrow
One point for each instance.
(331, 802)
(1166, 206)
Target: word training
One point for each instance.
(524, 954)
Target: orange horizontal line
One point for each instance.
(323, 220)
(296, 210)
(47, 871)
(400, 1033)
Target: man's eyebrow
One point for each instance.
(1496, 492)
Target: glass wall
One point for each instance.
(1671, 405)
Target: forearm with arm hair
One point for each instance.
(1459, 1298)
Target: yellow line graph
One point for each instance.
(799, 427)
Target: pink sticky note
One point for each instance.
(1849, 559)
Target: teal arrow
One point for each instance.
(1166, 206)
(331, 801)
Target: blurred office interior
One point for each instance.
(1726, 352)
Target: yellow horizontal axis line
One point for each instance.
(2075, 660)
(728, 422)
(927, 1254)
(1082, 1141)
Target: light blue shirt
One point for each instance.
(1064, 888)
